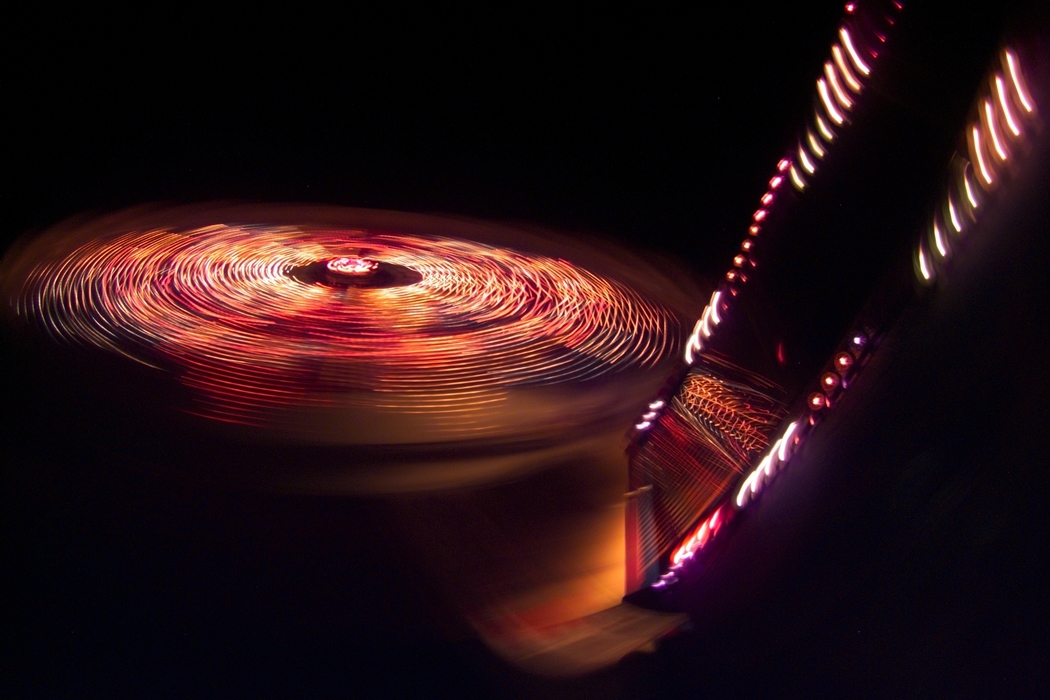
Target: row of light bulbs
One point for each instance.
(996, 139)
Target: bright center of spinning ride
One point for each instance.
(357, 272)
(352, 267)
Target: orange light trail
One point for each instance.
(221, 308)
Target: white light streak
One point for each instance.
(771, 462)
(1004, 103)
(778, 454)
(705, 325)
(694, 344)
(716, 298)
(848, 43)
(840, 94)
(745, 489)
(844, 68)
(990, 116)
(976, 133)
(1018, 81)
(785, 442)
(969, 190)
(756, 476)
(822, 88)
(953, 216)
(809, 167)
(926, 274)
(939, 240)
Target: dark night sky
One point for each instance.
(645, 128)
(656, 130)
(650, 129)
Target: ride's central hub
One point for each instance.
(348, 271)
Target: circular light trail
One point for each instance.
(260, 321)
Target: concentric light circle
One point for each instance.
(454, 347)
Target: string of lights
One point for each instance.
(844, 79)
(996, 141)
(842, 82)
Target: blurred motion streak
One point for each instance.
(237, 313)
(685, 461)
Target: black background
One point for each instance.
(652, 128)
(657, 130)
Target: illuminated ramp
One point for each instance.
(699, 439)
(701, 442)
